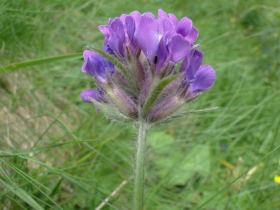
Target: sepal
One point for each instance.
(111, 112)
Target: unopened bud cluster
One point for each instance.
(149, 67)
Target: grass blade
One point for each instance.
(22, 194)
(40, 61)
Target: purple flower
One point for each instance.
(184, 27)
(97, 66)
(161, 39)
(198, 77)
(141, 75)
(119, 34)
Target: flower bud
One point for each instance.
(123, 102)
(165, 108)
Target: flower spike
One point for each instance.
(149, 68)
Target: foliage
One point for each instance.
(59, 153)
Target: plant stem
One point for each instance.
(139, 173)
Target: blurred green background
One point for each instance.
(57, 152)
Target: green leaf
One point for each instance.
(40, 61)
(55, 189)
(174, 165)
(152, 97)
(23, 195)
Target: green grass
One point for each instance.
(57, 152)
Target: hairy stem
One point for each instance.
(139, 173)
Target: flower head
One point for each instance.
(149, 68)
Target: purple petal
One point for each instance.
(165, 26)
(107, 48)
(108, 65)
(117, 36)
(88, 95)
(178, 48)
(117, 27)
(88, 66)
(173, 19)
(184, 26)
(94, 64)
(136, 16)
(86, 54)
(186, 62)
(192, 36)
(162, 55)
(130, 28)
(146, 35)
(105, 30)
(95, 67)
(161, 13)
(204, 79)
(115, 44)
(191, 65)
(122, 18)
